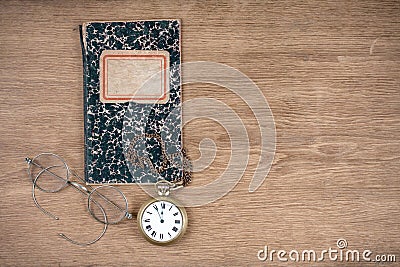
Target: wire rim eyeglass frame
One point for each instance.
(87, 190)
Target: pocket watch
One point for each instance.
(162, 220)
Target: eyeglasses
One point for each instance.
(106, 204)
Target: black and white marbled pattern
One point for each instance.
(105, 123)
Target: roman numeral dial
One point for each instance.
(162, 221)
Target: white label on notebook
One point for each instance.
(124, 72)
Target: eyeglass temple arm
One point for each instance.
(55, 217)
(37, 203)
(34, 182)
(62, 235)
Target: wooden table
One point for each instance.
(331, 75)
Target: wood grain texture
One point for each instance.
(331, 74)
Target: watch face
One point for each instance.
(162, 221)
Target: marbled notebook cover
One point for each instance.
(104, 149)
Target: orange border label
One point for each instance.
(160, 76)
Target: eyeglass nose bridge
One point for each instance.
(80, 187)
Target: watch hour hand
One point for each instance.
(159, 215)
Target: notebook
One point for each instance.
(132, 135)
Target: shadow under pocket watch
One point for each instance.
(162, 220)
